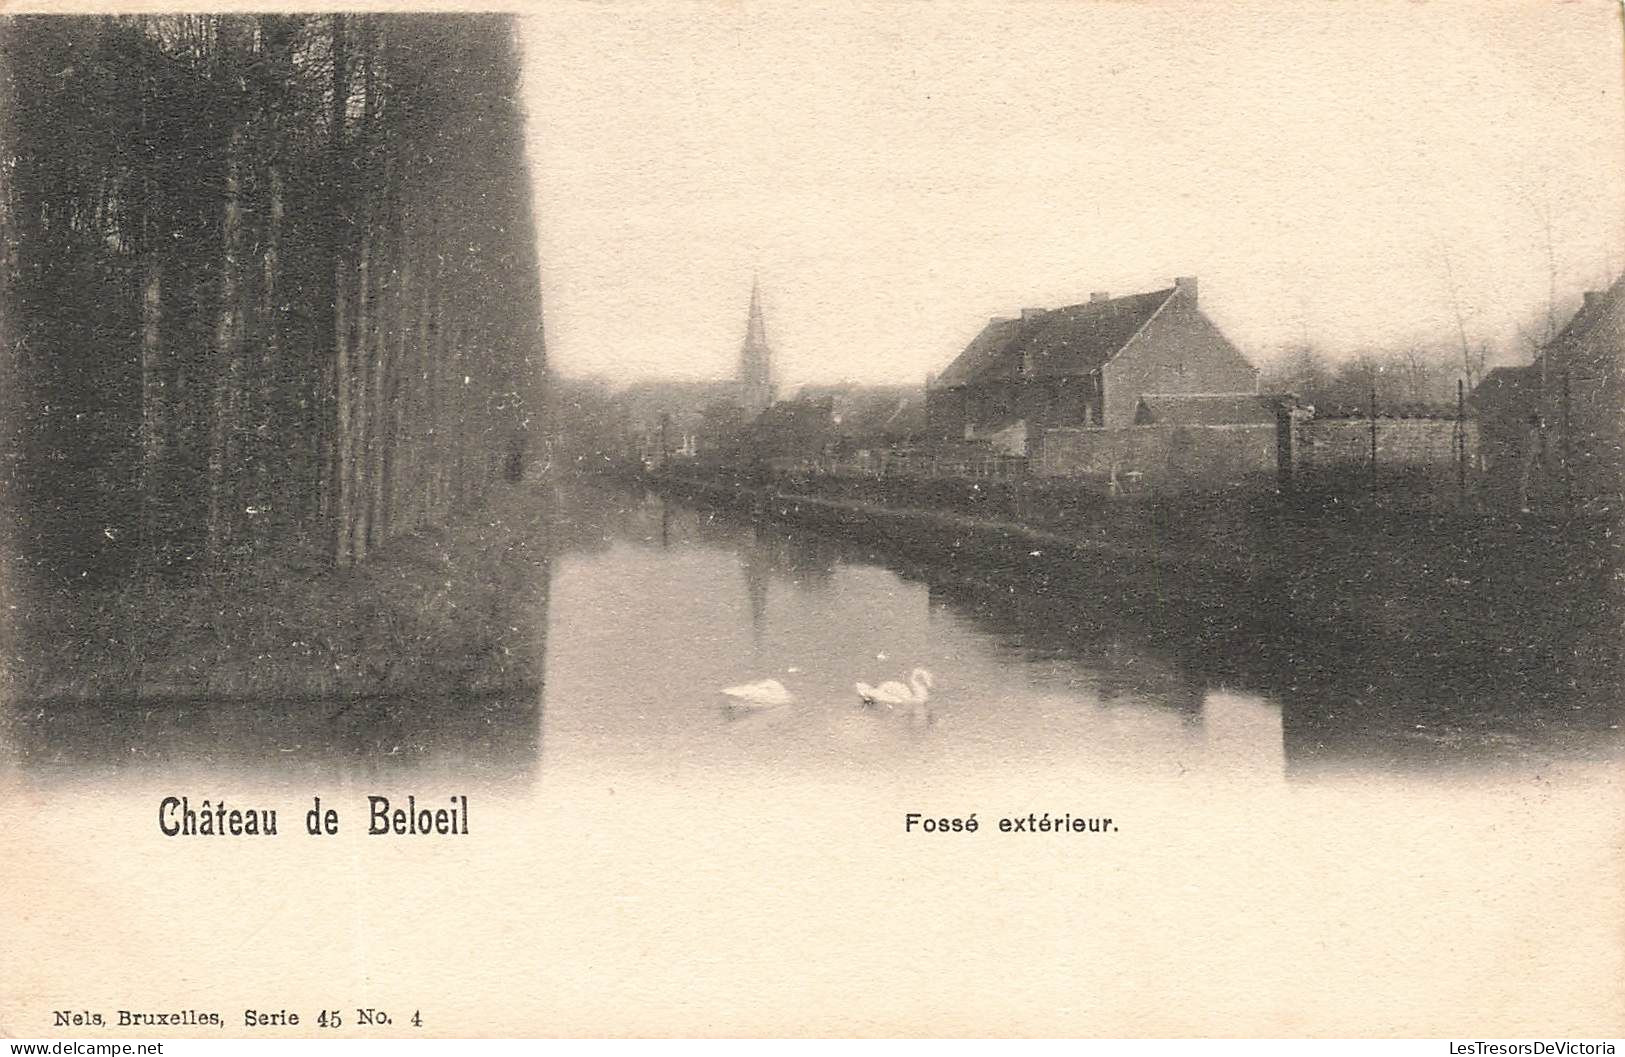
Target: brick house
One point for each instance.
(1584, 395)
(1084, 366)
(1506, 406)
(1207, 409)
(1554, 427)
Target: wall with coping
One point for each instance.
(1160, 457)
(1411, 442)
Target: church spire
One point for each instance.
(755, 359)
(755, 330)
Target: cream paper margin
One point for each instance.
(1466, 907)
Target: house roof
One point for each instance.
(1079, 338)
(1595, 307)
(865, 412)
(984, 355)
(1520, 387)
(1507, 390)
(1507, 378)
(909, 420)
(1205, 409)
(798, 419)
(1072, 340)
(881, 414)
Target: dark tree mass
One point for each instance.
(269, 282)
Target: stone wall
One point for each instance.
(1178, 458)
(1408, 442)
(1161, 458)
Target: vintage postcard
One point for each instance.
(771, 519)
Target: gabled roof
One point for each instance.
(1062, 341)
(869, 411)
(1523, 383)
(909, 420)
(800, 417)
(985, 356)
(1079, 338)
(881, 414)
(1507, 378)
(1596, 307)
(1204, 409)
(1507, 390)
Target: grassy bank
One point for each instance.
(455, 610)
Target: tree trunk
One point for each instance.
(152, 414)
(356, 416)
(393, 395)
(416, 434)
(152, 300)
(385, 313)
(368, 317)
(337, 507)
(434, 444)
(372, 532)
(270, 507)
(228, 362)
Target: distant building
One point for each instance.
(1507, 406)
(1086, 366)
(1553, 428)
(871, 416)
(587, 423)
(792, 431)
(755, 377)
(669, 418)
(1584, 395)
(827, 423)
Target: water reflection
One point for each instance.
(487, 738)
(1042, 670)
(671, 603)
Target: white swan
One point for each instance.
(895, 693)
(764, 694)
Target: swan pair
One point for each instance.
(770, 693)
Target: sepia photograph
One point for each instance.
(754, 519)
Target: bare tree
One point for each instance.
(1472, 361)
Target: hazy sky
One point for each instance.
(899, 172)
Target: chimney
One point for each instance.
(1098, 296)
(1187, 283)
(1031, 313)
(1001, 319)
(1591, 298)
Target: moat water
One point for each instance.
(656, 605)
